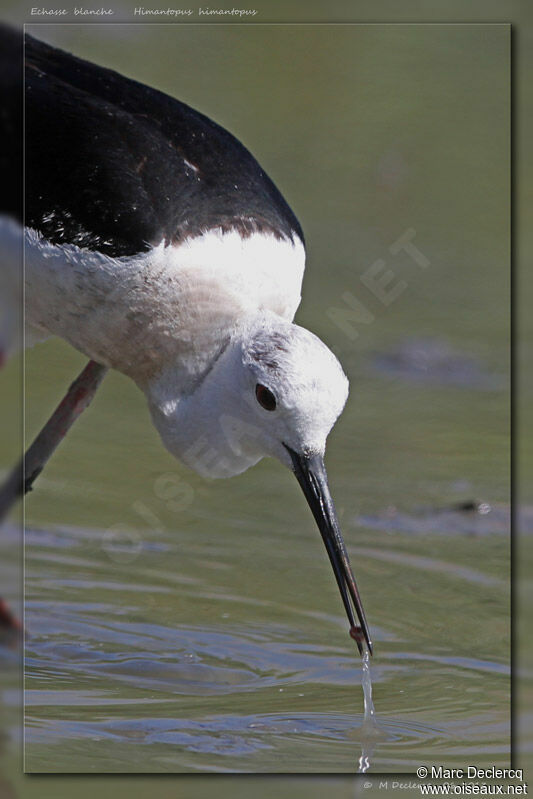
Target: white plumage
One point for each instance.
(172, 303)
(156, 245)
(197, 326)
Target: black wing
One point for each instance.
(116, 166)
(11, 73)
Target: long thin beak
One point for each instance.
(311, 474)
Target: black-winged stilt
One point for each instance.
(156, 245)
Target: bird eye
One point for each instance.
(265, 397)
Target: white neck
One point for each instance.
(205, 428)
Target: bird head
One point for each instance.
(275, 390)
(292, 385)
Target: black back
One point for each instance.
(11, 102)
(115, 166)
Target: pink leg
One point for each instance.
(77, 398)
(10, 626)
(23, 475)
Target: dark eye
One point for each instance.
(265, 397)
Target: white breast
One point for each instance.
(139, 313)
(261, 271)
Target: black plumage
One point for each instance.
(11, 102)
(116, 166)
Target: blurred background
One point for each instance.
(382, 138)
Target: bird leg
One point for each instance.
(21, 479)
(77, 398)
(10, 626)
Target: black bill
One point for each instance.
(311, 474)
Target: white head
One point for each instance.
(275, 385)
(276, 390)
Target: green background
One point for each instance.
(434, 158)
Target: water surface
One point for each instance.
(180, 625)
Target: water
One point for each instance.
(366, 682)
(186, 651)
(179, 625)
(369, 727)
